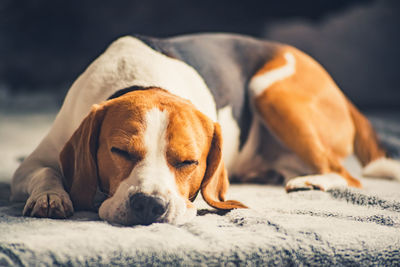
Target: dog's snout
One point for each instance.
(147, 209)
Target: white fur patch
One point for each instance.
(384, 168)
(153, 173)
(323, 182)
(230, 135)
(247, 162)
(258, 84)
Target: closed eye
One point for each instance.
(122, 153)
(186, 163)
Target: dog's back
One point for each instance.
(226, 62)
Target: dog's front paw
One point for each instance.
(55, 205)
(322, 182)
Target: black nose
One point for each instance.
(147, 209)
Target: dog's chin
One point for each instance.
(120, 213)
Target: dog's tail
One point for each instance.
(366, 147)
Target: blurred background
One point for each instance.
(46, 44)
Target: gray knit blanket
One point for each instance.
(344, 226)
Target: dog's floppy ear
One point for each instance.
(215, 182)
(79, 161)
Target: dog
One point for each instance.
(152, 122)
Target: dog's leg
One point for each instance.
(301, 136)
(301, 105)
(38, 180)
(43, 189)
(47, 197)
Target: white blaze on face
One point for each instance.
(230, 136)
(152, 174)
(259, 83)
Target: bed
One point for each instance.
(344, 226)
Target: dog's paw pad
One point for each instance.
(316, 182)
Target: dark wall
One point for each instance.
(360, 47)
(44, 45)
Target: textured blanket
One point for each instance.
(340, 227)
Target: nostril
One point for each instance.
(158, 209)
(147, 209)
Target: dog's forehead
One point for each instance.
(187, 129)
(129, 112)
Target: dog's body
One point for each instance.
(278, 109)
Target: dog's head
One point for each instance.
(151, 152)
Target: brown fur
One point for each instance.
(313, 118)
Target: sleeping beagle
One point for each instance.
(152, 122)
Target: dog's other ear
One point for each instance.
(215, 182)
(79, 161)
